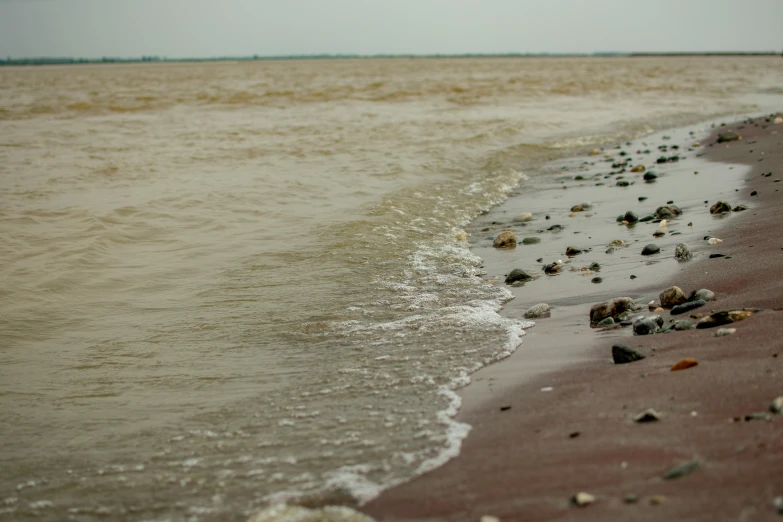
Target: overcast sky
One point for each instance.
(206, 28)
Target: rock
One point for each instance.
(688, 306)
(716, 255)
(778, 120)
(553, 268)
(645, 326)
(573, 251)
(720, 207)
(605, 322)
(517, 275)
(649, 415)
(630, 217)
(531, 240)
(739, 208)
(537, 311)
(597, 280)
(724, 332)
(582, 499)
(672, 296)
(614, 309)
(659, 233)
(725, 317)
(651, 249)
(650, 176)
(489, 518)
(667, 212)
(681, 470)
(638, 168)
(616, 243)
(758, 415)
(610, 250)
(683, 325)
(728, 136)
(776, 406)
(778, 502)
(595, 152)
(622, 183)
(647, 218)
(631, 498)
(622, 354)
(595, 267)
(577, 208)
(682, 252)
(555, 228)
(523, 217)
(505, 239)
(657, 500)
(685, 364)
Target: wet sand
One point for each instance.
(556, 418)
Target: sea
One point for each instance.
(227, 285)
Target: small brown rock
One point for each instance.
(582, 499)
(638, 168)
(505, 239)
(672, 296)
(685, 364)
(657, 500)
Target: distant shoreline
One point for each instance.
(157, 59)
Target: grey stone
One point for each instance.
(682, 252)
(651, 249)
(517, 275)
(702, 294)
(681, 470)
(667, 212)
(605, 322)
(683, 325)
(645, 326)
(728, 136)
(622, 354)
(687, 307)
(614, 309)
(537, 311)
(531, 240)
(776, 406)
(630, 217)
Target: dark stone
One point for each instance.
(681, 470)
(517, 275)
(623, 183)
(647, 218)
(595, 267)
(724, 317)
(605, 322)
(597, 280)
(610, 250)
(687, 307)
(505, 408)
(739, 208)
(555, 228)
(573, 251)
(645, 326)
(553, 268)
(754, 193)
(728, 136)
(630, 217)
(650, 176)
(614, 309)
(720, 207)
(531, 240)
(718, 254)
(649, 415)
(633, 276)
(651, 249)
(622, 354)
(642, 198)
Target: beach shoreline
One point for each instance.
(556, 418)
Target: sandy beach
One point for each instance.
(557, 417)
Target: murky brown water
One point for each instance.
(230, 283)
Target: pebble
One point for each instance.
(681, 470)
(650, 176)
(659, 233)
(622, 354)
(724, 332)
(667, 212)
(739, 208)
(682, 252)
(648, 415)
(630, 217)
(778, 503)
(605, 322)
(717, 255)
(489, 518)
(702, 294)
(724, 317)
(631, 498)
(517, 275)
(651, 249)
(728, 136)
(582, 499)
(538, 311)
(573, 251)
(614, 309)
(657, 500)
(597, 280)
(638, 168)
(524, 217)
(531, 240)
(688, 306)
(776, 406)
(714, 240)
(647, 325)
(553, 268)
(671, 297)
(720, 207)
(683, 325)
(685, 364)
(505, 239)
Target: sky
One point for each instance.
(214, 28)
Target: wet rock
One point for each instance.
(595, 267)
(573, 251)
(728, 136)
(523, 217)
(649, 415)
(555, 228)
(720, 207)
(622, 354)
(776, 406)
(617, 243)
(647, 218)
(630, 217)
(683, 325)
(758, 415)
(646, 325)
(778, 502)
(577, 208)
(605, 322)
(650, 176)
(595, 152)
(672, 296)
(682, 252)
(651, 249)
(683, 469)
(610, 250)
(631, 498)
(725, 317)
(518, 275)
(505, 239)
(713, 240)
(739, 208)
(685, 364)
(657, 500)
(582, 499)
(688, 306)
(538, 311)
(531, 240)
(638, 168)
(597, 280)
(614, 309)
(659, 233)
(717, 255)
(554, 268)
(622, 183)
(667, 212)
(724, 332)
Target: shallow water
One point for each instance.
(230, 284)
